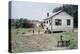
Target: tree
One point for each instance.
(57, 9)
(19, 23)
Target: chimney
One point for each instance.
(47, 14)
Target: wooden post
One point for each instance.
(61, 37)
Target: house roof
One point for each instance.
(54, 14)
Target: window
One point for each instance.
(68, 21)
(47, 22)
(57, 21)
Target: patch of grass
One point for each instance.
(73, 44)
(73, 37)
(20, 30)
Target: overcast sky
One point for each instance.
(32, 10)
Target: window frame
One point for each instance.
(58, 22)
(68, 22)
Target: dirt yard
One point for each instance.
(22, 42)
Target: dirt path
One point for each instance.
(34, 33)
(38, 42)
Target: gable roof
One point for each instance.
(54, 14)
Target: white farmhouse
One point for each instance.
(58, 21)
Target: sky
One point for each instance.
(32, 10)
